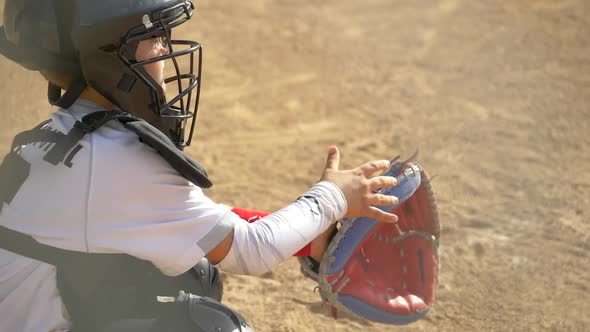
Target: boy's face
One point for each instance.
(149, 49)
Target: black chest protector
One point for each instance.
(97, 288)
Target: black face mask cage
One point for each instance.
(178, 108)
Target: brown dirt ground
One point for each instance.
(496, 95)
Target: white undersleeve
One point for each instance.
(258, 247)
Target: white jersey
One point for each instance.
(114, 195)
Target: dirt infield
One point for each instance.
(496, 94)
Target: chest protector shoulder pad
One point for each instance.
(147, 133)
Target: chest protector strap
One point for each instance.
(147, 133)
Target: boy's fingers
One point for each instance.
(372, 167)
(381, 216)
(333, 160)
(379, 182)
(383, 200)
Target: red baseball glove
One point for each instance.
(383, 272)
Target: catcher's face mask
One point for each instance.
(170, 68)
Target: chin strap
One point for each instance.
(69, 97)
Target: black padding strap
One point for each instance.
(184, 164)
(37, 134)
(114, 283)
(70, 96)
(89, 123)
(148, 134)
(14, 171)
(25, 245)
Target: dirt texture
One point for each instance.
(495, 94)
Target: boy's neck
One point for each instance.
(94, 96)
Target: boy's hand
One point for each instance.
(360, 187)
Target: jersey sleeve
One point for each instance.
(139, 205)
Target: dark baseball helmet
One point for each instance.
(95, 43)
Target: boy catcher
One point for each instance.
(103, 217)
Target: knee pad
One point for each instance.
(186, 313)
(203, 279)
(199, 313)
